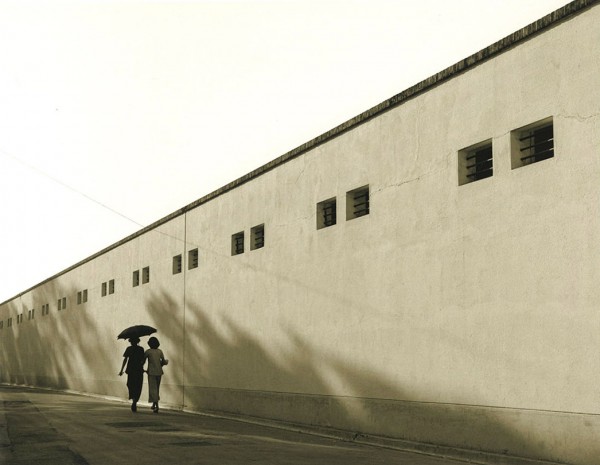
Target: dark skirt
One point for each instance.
(134, 384)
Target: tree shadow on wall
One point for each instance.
(226, 368)
(68, 349)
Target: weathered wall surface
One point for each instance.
(457, 315)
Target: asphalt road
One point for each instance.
(55, 428)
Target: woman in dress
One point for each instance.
(156, 360)
(134, 359)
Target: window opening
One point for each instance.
(111, 286)
(257, 237)
(103, 293)
(357, 203)
(533, 144)
(326, 213)
(475, 163)
(177, 264)
(192, 259)
(145, 275)
(136, 278)
(237, 243)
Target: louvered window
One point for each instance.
(357, 203)
(533, 144)
(145, 275)
(475, 163)
(192, 259)
(257, 237)
(177, 264)
(326, 213)
(237, 243)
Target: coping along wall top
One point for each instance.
(550, 20)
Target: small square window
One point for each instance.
(357, 203)
(45, 309)
(9, 322)
(103, 289)
(192, 259)
(475, 163)
(237, 243)
(532, 143)
(326, 213)
(31, 314)
(136, 278)
(257, 237)
(111, 286)
(177, 264)
(145, 275)
(79, 298)
(64, 303)
(84, 296)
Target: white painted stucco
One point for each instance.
(458, 315)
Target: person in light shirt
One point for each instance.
(156, 360)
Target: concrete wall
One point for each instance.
(455, 315)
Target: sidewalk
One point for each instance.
(55, 428)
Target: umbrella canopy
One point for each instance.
(136, 331)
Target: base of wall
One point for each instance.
(477, 433)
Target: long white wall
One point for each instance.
(456, 315)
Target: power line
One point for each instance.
(84, 195)
(69, 187)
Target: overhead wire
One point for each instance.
(79, 192)
(67, 186)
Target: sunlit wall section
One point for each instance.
(449, 302)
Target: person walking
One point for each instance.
(134, 359)
(156, 360)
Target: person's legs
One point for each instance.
(158, 378)
(134, 383)
(153, 382)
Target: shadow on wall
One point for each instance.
(230, 370)
(221, 366)
(68, 349)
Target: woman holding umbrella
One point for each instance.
(134, 359)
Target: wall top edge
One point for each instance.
(550, 20)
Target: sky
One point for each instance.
(115, 114)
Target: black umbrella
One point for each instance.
(136, 331)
